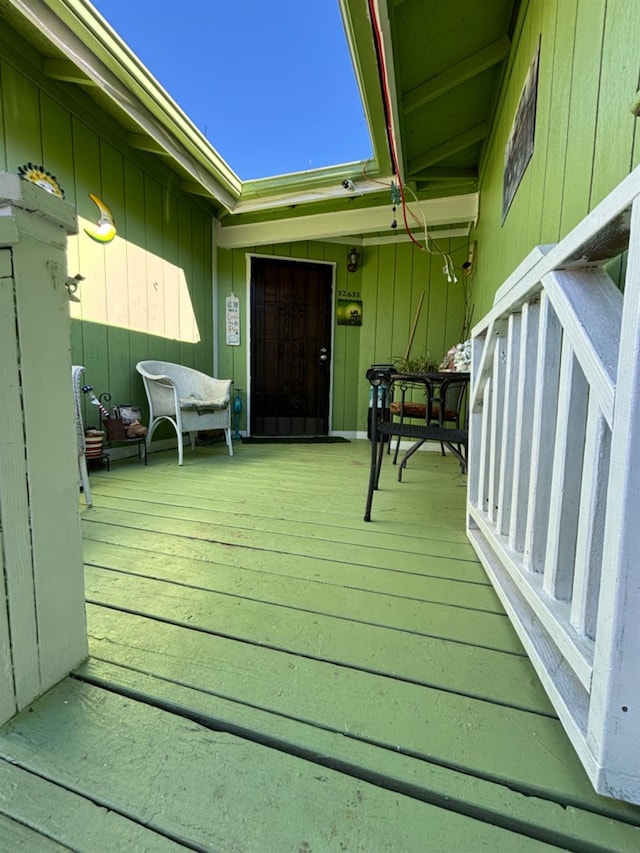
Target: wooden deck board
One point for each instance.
(326, 505)
(56, 812)
(333, 497)
(529, 752)
(22, 839)
(258, 630)
(264, 559)
(266, 583)
(567, 827)
(457, 668)
(263, 622)
(291, 539)
(138, 760)
(295, 524)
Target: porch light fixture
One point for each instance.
(352, 259)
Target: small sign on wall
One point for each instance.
(349, 312)
(233, 321)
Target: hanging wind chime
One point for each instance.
(395, 201)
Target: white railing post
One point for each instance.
(614, 717)
(475, 427)
(42, 618)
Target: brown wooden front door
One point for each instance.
(290, 347)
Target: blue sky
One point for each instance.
(269, 82)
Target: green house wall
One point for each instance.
(148, 293)
(390, 281)
(585, 134)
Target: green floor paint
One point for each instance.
(303, 575)
(240, 796)
(70, 817)
(270, 673)
(568, 827)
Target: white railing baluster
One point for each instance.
(589, 307)
(566, 477)
(482, 367)
(589, 543)
(507, 451)
(524, 424)
(475, 427)
(484, 449)
(544, 425)
(497, 420)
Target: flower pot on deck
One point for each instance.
(115, 429)
(93, 443)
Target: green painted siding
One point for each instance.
(585, 138)
(147, 294)
(390, 281)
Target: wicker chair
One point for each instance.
(189, 400)
(76, 378)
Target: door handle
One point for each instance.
(323, 354)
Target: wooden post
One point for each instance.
(42, 618)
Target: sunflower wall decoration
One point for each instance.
(39, 176)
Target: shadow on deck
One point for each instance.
(270, 673)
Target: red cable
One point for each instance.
(387, 105)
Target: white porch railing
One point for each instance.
(554, 478)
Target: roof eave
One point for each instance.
(97, 56)
(359, 34)
(76, 29)
(334, 182)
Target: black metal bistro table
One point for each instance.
(382, 379)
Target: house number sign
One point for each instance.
(233, 321)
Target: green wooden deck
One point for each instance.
(269, 673)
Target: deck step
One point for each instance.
(211, 790)
(425, 781)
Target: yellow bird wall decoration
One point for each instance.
(106, 227)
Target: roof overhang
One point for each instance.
(454, 210)
(350, 201)
(92, 55)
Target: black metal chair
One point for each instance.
(381, 379)
(432, 411)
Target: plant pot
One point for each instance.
(93, 444)
(115, 429)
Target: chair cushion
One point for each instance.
(411, 410)
(193, 403)
(419, 410)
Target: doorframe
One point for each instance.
(333, 264)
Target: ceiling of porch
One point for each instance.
(429, 72)
(447, 65)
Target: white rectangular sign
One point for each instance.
(233, 321)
